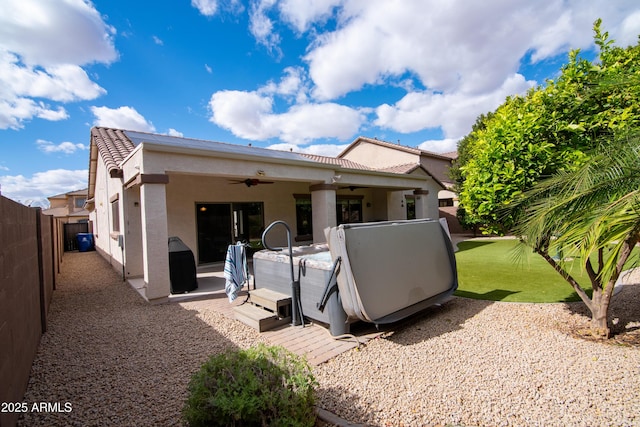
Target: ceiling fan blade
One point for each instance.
(249, 182)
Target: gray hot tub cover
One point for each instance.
(393, 269)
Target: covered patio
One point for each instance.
(212, 194)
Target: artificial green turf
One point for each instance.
(497, 270)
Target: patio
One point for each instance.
(313, 340)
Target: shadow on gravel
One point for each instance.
(109, 357)
(436, 321)
(333, 400)
(624, 315)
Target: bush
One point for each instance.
(260, 386)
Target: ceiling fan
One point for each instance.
(352, 187)
(250, 182)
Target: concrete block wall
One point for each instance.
(26, 286)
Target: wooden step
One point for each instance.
(271, 300)
(259, 318)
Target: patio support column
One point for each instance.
(396, 209)
(153, 200)
(133, 233)
(323, 208)
(422, 204)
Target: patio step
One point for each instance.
(266, 309)
(259, 318)
(271, 300)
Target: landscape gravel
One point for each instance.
(120, 361)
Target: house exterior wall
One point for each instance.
(57, 202)
(377, 156)
(105, 239)
(184, 191)
(438, 167)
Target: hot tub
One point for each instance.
(313, 265)
(388, 271)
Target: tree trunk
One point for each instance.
(599, 309)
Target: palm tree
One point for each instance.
(591, 213)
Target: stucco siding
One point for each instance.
(102, 217)
(379, 157)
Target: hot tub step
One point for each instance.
(271, 300)
(259, 318)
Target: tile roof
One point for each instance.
(113, 146)
(404, 169)
(336, 161)
(397, 146)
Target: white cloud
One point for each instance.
(173, 132)
(206, 7)
(3, 168)
(629, 30)
(63, 83)
(157, 40)
(451, 46)
(454, 112)
(56, 32)
(208, 68)
(439, 145)
(35, 189)
(292, 85)
(14, 111)
(455, 60)
(242, 113)
(250, 115)
(42, 48)
(302, 14)
(64, 147)
(123, 118)
(261, 26)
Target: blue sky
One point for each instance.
(304, 75)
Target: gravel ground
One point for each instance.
(119, 361)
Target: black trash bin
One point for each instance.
(182, 267)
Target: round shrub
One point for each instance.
(260, 386)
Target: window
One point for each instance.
(445, 202)
(115, 213)
(410, 202)
(248, 221)
(304, 217)
(79, 202)
(348, 209)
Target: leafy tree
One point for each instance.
(550, 129)
(591, 213)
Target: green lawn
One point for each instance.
(491, 270)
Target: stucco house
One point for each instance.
(68, 207)
(382, 155)
(144, 188)
(71, 217)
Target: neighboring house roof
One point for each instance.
(66, 210)
(405, 168)
(412, 150)
(337, 161)
(82, 192)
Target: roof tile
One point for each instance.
(113, 146)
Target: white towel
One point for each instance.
(235, 270)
